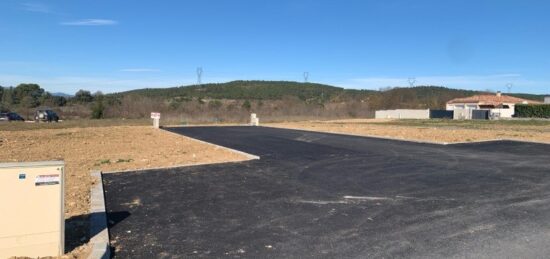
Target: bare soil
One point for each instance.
(430, 130)
(111, 148)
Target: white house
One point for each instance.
(502, 106)
(547, 99)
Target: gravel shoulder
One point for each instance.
(112, 148)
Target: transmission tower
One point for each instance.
(412, 81)
(199, 75)
(509, 87)
(306, 77)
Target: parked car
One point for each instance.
(45, 115)
(10, 116)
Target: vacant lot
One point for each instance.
(431, 130)
(103, 148)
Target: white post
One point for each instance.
(254, 121)
(156, 119)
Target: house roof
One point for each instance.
(490, 99)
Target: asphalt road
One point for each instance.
(333, 196)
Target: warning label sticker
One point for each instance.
(49, 179)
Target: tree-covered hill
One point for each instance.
(234, 100)
(399, 97)
(254, 90)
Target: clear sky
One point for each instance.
(119, 45)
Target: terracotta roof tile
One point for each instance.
(489, 99)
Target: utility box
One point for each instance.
(32, 221)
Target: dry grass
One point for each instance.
(431, 130)
(102, 148)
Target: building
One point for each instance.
(498, 105)
(547, 99)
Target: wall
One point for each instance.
(403, 114)
(503, 113)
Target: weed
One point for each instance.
(124, 160)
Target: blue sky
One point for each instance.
(119, 45)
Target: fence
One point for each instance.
(441, 114)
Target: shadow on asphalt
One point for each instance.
(77, 235)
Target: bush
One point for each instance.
(533, 110)
(215, 104)
(98, 110)
(246, 105)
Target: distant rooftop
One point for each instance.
(492, 99)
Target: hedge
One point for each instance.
(533, 110)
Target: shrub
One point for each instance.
(215, 104)
(246, 105)
(98, 110)
(533, 110)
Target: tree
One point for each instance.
(59, 100)
(4, 108)
(83, 96)
(33, 91)
(98, 109)
(7, 96)
(28, 102)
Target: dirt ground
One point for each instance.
(113, 145)
(103, 148)
(430, 131)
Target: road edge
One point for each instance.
(249, 156)
(172, 166)
(443, 143)
(98, 220)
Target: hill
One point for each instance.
(399, 97)
(253, 90)
(234, 101)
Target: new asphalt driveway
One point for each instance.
(324, 195)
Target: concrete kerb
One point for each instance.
(249, 156)
(100, 246)
(99, 242)
(169, 167)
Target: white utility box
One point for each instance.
(32, 221)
